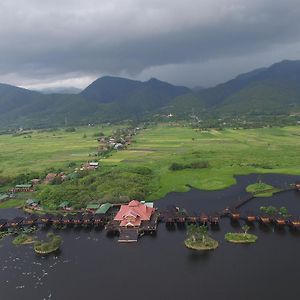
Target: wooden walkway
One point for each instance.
(171, 216)
(128, 235)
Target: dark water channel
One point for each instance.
(93, 266)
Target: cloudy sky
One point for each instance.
(53, 43)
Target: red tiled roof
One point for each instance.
(134, 212)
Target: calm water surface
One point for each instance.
(93, 266)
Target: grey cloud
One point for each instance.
(51, 40)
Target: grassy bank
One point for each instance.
(12, 203)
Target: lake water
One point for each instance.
(93, 266)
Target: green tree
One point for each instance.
(202, 231)
(269, 210)
(192, 232)
(283, 211)
(245, 229)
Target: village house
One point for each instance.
(65, 206)
(33, 204)
(92, 207)
(4, 197)
(89, 166)
(118, 146)
(49, 178)
(54, 176)
(35, 181)
(19, 188)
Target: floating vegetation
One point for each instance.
(241, 237)
(52, 245)
(17, 231)
(23, 239)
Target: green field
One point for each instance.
(228, 152)
(42, 150)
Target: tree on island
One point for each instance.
(283, 212)
(203, 230)
(198, 239)
(245, 229)
(197, 233)
(269, 210)
(192, 232)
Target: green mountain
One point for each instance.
(273, 90)
(108, 99)
(132, 95)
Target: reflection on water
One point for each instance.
(92, 266)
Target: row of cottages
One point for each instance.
(23, 188)
(134, 214)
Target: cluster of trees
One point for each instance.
(197, 233)
(272, 211)
(110, 184)
(193, 165)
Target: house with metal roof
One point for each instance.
(104, 208)
(92, 207)
(65, 205)
(4, 197)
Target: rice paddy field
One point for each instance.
(228, 152)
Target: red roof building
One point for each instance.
(133, 214)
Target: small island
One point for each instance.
(198, 239)
(261, 189)
(23, 239)
(48, 247)
(241, 237)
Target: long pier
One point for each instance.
(171, 216)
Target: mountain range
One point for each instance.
(272, 90)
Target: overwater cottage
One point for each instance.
(92, 207)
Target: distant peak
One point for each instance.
(153, 79)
